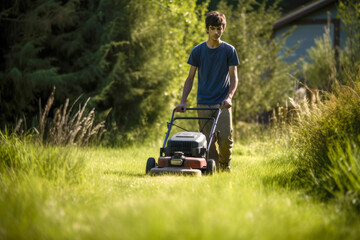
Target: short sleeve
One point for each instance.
(194, 58)
(233, 58)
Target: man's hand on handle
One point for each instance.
(181, 107)
(226, 103)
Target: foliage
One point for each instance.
(37, 59)
(349, 12)
(130, 65)
(344, 173)
(320, 70)
(263, 77)
(144, 83)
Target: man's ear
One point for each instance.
(224, 28)
(207, 30)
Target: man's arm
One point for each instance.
(227, 103)
(187, 89)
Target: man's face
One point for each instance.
(215, 32)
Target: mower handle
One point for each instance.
(212, 131)
(197, 108)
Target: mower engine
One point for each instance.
(191, 144)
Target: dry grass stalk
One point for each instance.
(308, 107)
(64, 129)
(43, 116)
(18, 126)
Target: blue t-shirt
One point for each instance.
(213, 71)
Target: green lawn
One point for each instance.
(113, 199)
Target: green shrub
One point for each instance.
(321, 135)
(344, 173)
(325, 132)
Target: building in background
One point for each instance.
(310, 21)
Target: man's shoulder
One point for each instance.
(196, 51)
(228, 46)
(200, 45)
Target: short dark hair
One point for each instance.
(215, 19)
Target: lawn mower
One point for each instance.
(185, 153)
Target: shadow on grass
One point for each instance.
(289, 180)
(287, 174)
(297, 179)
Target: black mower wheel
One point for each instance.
(210, 167)
(150, 164)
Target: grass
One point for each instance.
(113, 199)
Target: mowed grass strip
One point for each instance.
(116, 200)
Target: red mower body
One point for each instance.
(188, 162)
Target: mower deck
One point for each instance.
(175, 170)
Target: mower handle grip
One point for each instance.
(201, 108)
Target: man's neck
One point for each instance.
(213, 44)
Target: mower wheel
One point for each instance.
(150, 164)
(210, 167)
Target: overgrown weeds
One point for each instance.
(67, 126)
(343, 179)
(325, 139)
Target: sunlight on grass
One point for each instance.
(116, 200)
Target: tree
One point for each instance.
(263, 76)
(349, 12)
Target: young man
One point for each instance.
(217, 82)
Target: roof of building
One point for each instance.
(301, 12)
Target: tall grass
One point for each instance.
(344, 173)
(32, 176)
(68, 126)
(20, 157)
